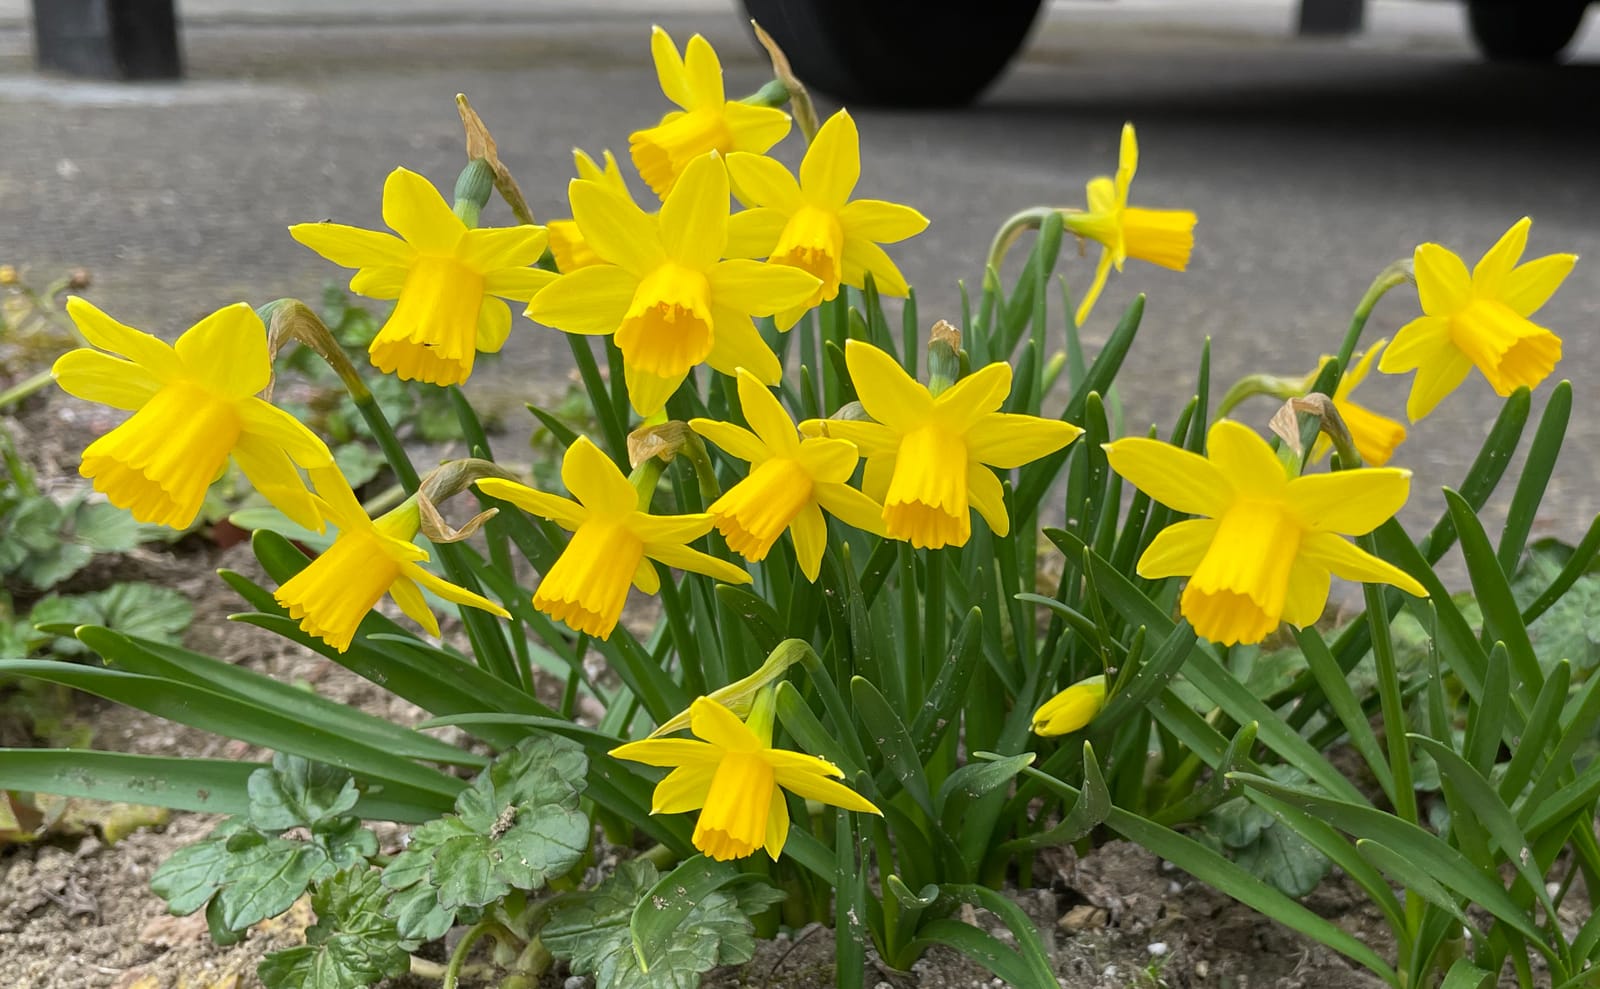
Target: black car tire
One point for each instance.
(1524, 30)
(909, 53)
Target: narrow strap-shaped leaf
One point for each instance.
(1413, 877)
(939, 710)
(850, 904)
(1535, 476)
(1465, 975)
(1502, 619)
(210, 786)
(972, 781)
(1486, 719)
(797, 717)
(1543, 721)
(1583, 555)
(985, 949)
(564, 434)
(1087, 811)
(1578, 723)
(1336, 688)
(900, 758)
(760, 618)
(1029, 946)
(1151, 677)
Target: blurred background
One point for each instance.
(1312, 161)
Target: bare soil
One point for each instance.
(77, 913)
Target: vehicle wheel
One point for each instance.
(1524, 30)
(897, 52)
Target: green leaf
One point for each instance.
(592, 931)
(1502, 619)
(193, 874)
(1284, 859)
(1413, 877)
(296, 792)
(1465, 975)
(352, 944)
(265, 875)
(1090, 808)
(658, 919)
(213, 786)
(900, 757)
(973, 781)
(104, 528)
(144, 610)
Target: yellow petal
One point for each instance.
(1183, 481)
(97, 377)
(887, 392)
(1245, 459)
(615, 228)
(1352, 502)
(353, 247)
(777, 824)
(758, 289)
(807, 776)
(451, 592)
(766, 415)
(1308, 594)
(978, 394)
(1177, 550)
(693, 560)
(987, 494)
(832, 165)
(285, 431)
(881, 222)
(871, 438)
(380, 283)
(1127, 162)
(1351, 562)
(1100, 195)
(1443, 284)
(409, 597)
(648, 392)
(592, 300)
(1357, 374)
(227, 351)
(338, 502)
(702, 72)
(668, 752)
(1072, 708)
(759, 181)
(682, 790)
(494, 325)
(1091, 295)
(1376, 436)
(1488, 276)
(1435, 380)
(489, 249)
(1007, 440)
(596, 482)
(1530, 286)
(810, 532)
(737, 344)
(1421, 341)
(717, 725)
(871, 258)
(646, 578)
(670, 68)
(155, 355)
(663, 529)
(273, 474)
(694, 215)
(754, 128)
(735, 441)
(754, 233)
(413, 208)
(829, 461)
(850, 507)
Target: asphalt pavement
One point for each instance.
(1311, 164)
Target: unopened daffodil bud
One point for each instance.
(1071, 709)
(740, 696)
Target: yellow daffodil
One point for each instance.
(1071, 709)
(812, 224)
(448, 279)
(708, 121)
(1159, 236)
(194, 405)
(1482, 319)
(571, 251)
(612, 542)
(370, 558)
(930, 456)
(1265, 546)
(1375, 436)
(791, 481)
(664, 290)
(736, 779)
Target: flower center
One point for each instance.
(160, 462)
(813, 241)
(432, 335)
(589, 582)
(1159, 236)
(335, 591)
(754, 512)
(1510, 350)
(1237, 592)
(662, 152)
(733, 822)
(668, 327)
(927, 499)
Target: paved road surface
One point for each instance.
(1311, 164)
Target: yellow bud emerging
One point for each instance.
(1071, 709)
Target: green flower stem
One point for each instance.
(1251, 385)
(1012, 229)
(774, 94)
(26, 387)
(1395, 274)
(704, 472)
(458, 958)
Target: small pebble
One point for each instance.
(1156, 949)
(1552, 888)
(575, 982)
(1174, 888)
(1168, 866)
(1110, 972)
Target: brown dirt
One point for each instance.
(78, 914)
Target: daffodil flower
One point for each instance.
(1071, 709)
(931, 456)
(370, 558)
(812, 224)
(1160, 236)
(736, 779)
(664, 290)
(791, 481)
(1376, 436)
(194, 406)
(447, 278)
(708, 121)
(571, 251)
(1481, 319)
(613, 542)
(1266, 544)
